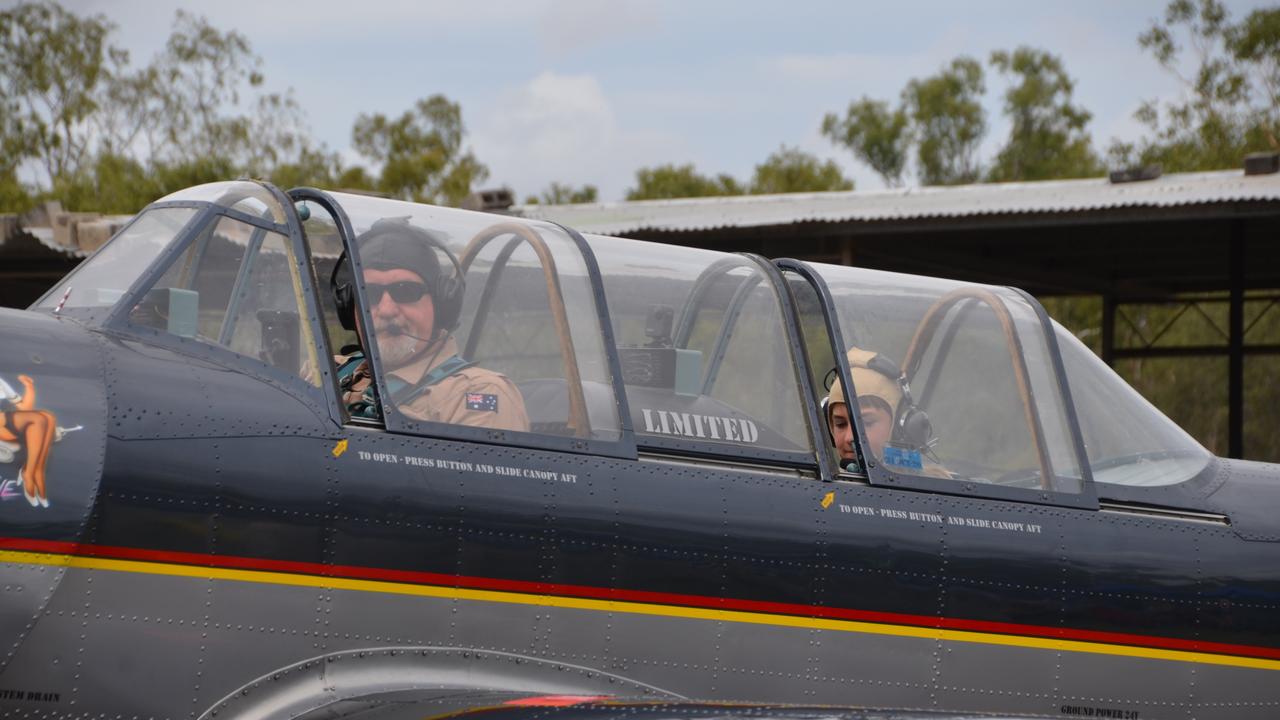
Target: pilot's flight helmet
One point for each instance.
(393, 243)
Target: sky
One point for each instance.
(589, 91)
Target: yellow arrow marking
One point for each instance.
(340, 448)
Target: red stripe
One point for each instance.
(414, 577)
(555, 700)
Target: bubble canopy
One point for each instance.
(982, 365)
(608, 345)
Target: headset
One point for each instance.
(911, 425)
(446, 292)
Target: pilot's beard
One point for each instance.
(396, 348)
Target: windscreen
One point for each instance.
(1128, 441)
(100, 281)
(236, 286)
(104, 278)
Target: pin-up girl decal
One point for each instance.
(31, 430)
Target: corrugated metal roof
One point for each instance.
(10, 229)
(45, 236)
(1055, 196)
(11, 226)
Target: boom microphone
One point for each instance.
(398, 332)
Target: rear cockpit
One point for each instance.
(993, 395)
(608, 346)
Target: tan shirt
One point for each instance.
(471, 396)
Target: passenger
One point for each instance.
(878, 395)
(884, 418)
(415, 308)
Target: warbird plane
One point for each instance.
(594, 475)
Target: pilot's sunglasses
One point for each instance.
(403, 292)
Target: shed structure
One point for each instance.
(1193, 250)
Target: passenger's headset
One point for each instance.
(446, 292)
(911, 425)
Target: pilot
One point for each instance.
(878, 396)
(415, 308)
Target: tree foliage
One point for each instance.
(793, 170)
(786, 170)
(14, 196)
(103, 134)
(200, 101)
(315, 167)
(54, 65)
(1231, 102)
(1047, 135)
(948, 122)
(420, 151)
(875, 135)
(110, 137)
(940, 116)
(680, 181)
(564, 194)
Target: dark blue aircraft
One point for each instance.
(320, 455)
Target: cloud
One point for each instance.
(561, 128)
(822, 68)
(872, 74)
(567, 26)
(318, 21)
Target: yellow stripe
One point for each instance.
(638, 608)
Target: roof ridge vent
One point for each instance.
(497, 200)
(1140, 173)
(1262, 163)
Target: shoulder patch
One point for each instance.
(482, 401)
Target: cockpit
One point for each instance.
(622, 348)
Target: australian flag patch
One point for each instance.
(482, 401)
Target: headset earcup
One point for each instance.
(825, 407)
(344, 302)
(915, 428)
(344, 296)
(912, 426)
(448, 300)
